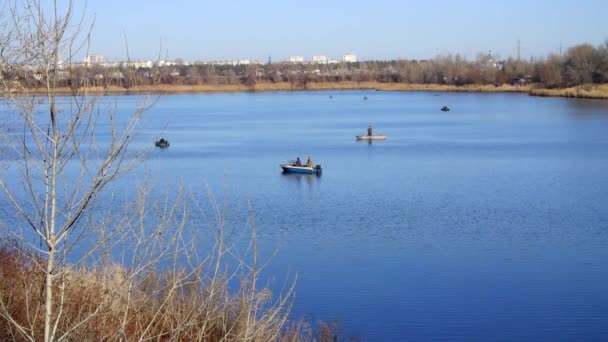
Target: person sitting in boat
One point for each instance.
(369, 131)
(298, 162)
(309, 162)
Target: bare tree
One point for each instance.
(61, 168)
(55, 134)
(193, 75)
(551, 71)
(581, 64)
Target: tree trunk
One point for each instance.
(48, 315)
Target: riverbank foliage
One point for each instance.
(586, 91)
(160, 305)
(580, 65)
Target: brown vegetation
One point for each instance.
(155, 308)
(588, 91)
(285, 86)
(581, 65)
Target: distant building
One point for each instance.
(349, 58)
(93, 59)
(163, 63)
(319, 59)
(117, 75)
(491, 61)
(296, 59)
(114, 64)
(138, 64)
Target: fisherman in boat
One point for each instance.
(369, 131)
(309, 162)
(162, 142)
(298, 162)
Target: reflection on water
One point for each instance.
(587, 106)
(301, 178)
(371, 141)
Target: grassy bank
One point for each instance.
(286, 86)
(584, 91)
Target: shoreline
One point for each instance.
(585, 91)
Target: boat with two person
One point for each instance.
(296, 166)
(370, 135)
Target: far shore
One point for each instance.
(585, 91)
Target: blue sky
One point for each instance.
(378, 29)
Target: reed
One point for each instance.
(286, 86)
(588, 91)
(163, 305)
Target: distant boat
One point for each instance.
(445, 109)
(162, 143)
(365, 97)
(291, 167)
(371, 137)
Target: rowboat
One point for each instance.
(293, 168)
(371, 137)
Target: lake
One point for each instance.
(487, 222)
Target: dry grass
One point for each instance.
(286, 86)
(584, 91)
(157, 308)
(589, 91)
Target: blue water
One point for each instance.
(488, 222)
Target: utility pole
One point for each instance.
(518, 50)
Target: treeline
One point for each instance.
(581, 64)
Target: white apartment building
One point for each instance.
(319, 59)
(349, 58)
(296, 59)
(94, 59)
(138, 64)
(163, 63)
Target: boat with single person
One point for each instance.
(445, 109)
(292, 167)
(371, 137)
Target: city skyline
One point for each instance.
(386, 30)
(100, 58)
